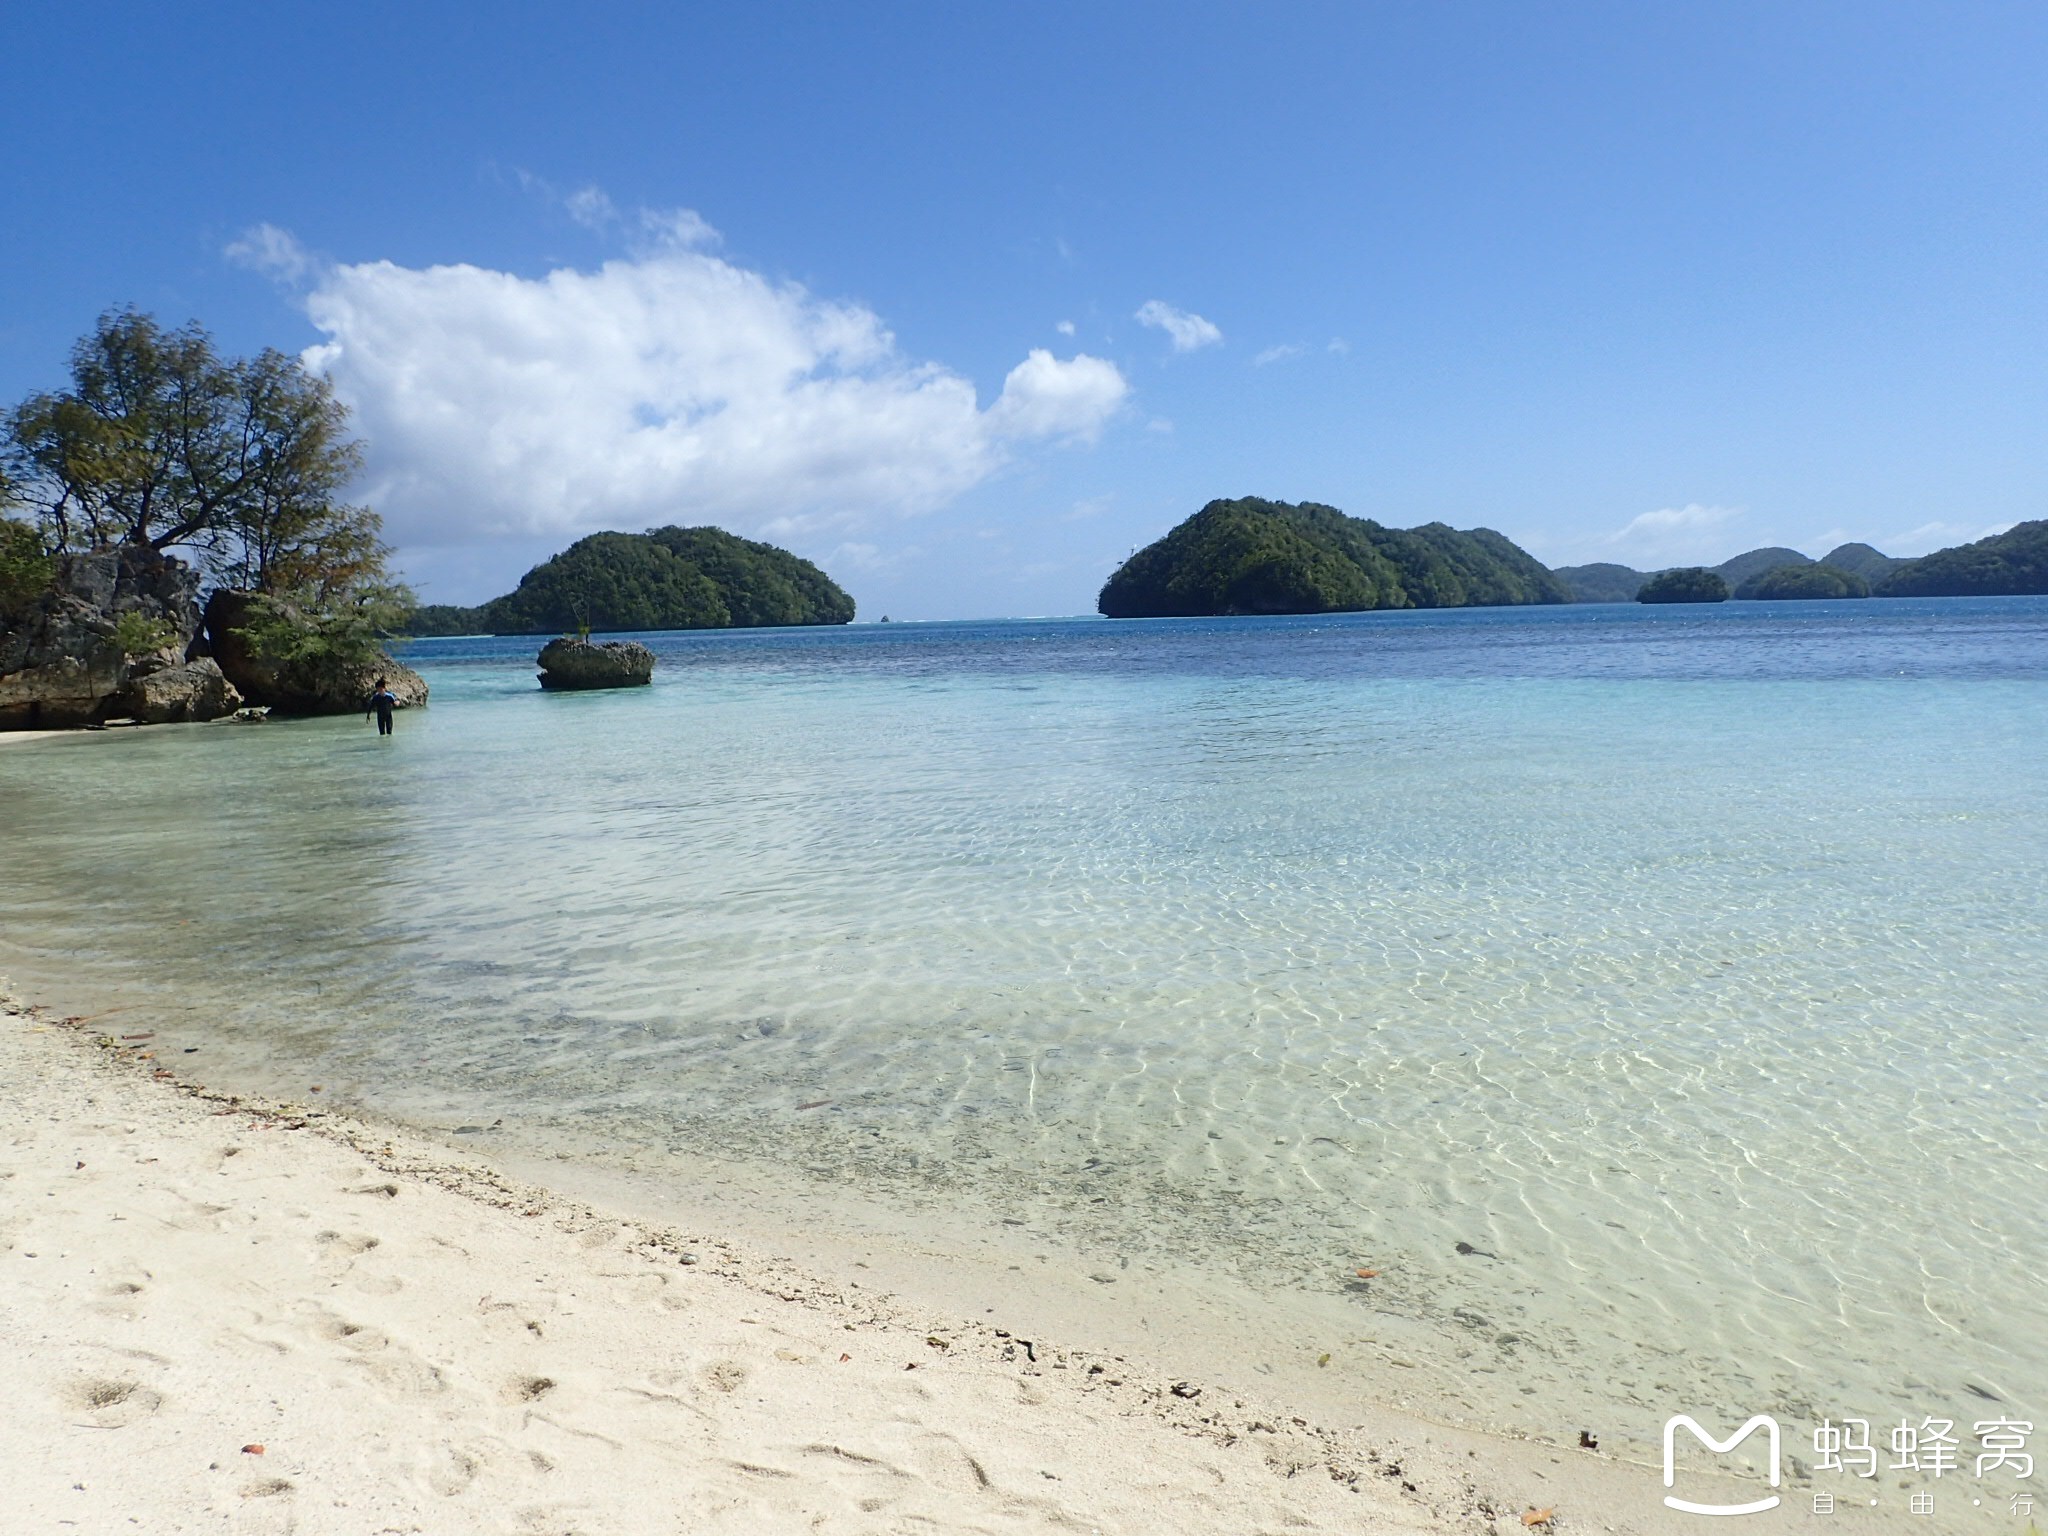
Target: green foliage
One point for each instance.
(163, 443)
(26, 568)
(445, 619)
(310, 630)
(1803, 581)
(137, 634)
(1861, 560)
(1603, 582)
(1258, 556)
(1755, 562)
(667, 578)
(2007, 564)
(1688, 584)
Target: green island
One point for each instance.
(1812, 580)
(666, 578)
(2009, 564)
(1606, 582)
(1253, 556)
(1687, 584)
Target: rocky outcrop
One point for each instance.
(192, 690)
(64, 657)
(301, 688)
(572, 663)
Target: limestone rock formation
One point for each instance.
(107, 620)
(302, 688)
(192, 690)
(573, 663)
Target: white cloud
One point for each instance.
(1278, 354)
(668, 386)
(591, 207)
(1188, 331)
(274, 252)
(682, 229)
(1673, 536)
(1065, 327)
(1338, 347)
(1929, 537)
(1044, 397)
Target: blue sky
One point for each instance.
(1653, 283)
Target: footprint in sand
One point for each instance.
(108, 1402)
(724, 1375)
(122, 1298)
(389, 1364)
(450, 1470)
(946, 1463)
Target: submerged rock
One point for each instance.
(572, 663)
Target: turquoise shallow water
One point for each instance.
(1687, 966)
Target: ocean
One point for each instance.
(1652, 996)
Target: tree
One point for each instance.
(286, 528)
(162, 443)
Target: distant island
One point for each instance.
(1607, 583)
(666, 578)
(1252, 556)
(1811, 580)
(1687, 584)
(2009, 564)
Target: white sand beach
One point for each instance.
(221, 1315)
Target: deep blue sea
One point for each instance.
(1686, 965)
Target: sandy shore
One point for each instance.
(221, 1315)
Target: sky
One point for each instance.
(968, 302)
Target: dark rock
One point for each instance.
(191, 690)
(330, 688)
(573, 663)
(60, 663)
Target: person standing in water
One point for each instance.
(382, 702)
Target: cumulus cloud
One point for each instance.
(670, 385)
(1278, 354)
(1187, 331)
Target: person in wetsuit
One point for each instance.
(382, 703)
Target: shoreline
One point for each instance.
(316, 1290)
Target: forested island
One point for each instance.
(1609, 583)
(1812, 580)
(2009, 564)
(1687, 584)
(666, 578)
(1251, 556)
